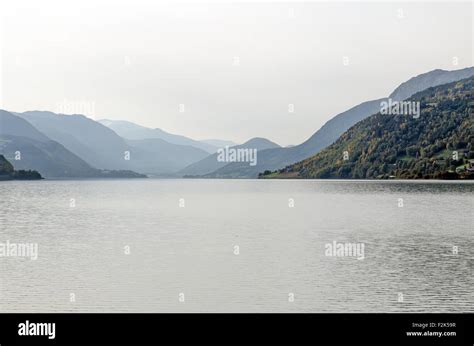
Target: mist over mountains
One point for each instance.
(129, 130)
(27, 148)
(211, 164)
(75, 146)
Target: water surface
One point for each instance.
(191, 250)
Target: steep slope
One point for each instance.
(6, 168)
(160, 157)
(29, 149)
(50, 158)
(438, 144)
(129, 130)
(11, 124)
(93, 142)
(277, 158)
(427, 80)
(102, 147)
(211, 163)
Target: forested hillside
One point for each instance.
(437, 144)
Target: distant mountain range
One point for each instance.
(157, 156)
(22, 144)
(29, 149)
(129, 130)
(219, 143)
(210, 166)
(437, 144)
(75, 146)
(103, 148)
(277, 158)
(96, 144)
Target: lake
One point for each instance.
(152, 245)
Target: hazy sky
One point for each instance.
(235, 66)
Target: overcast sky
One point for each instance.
(235, 66)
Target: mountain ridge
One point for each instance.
(211, 163)
(439, 144)
(30, 149)
(101, 147)
(273, 159)
(130, 130)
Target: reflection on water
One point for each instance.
(418, 239)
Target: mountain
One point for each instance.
(33, 150)
(129, 130)
(219, 143)
(101, 147)
(11, 124)
(6, 169)
(160, 157)
(277, 158)
(437, 144)
(427, 80)
(29, 149)
(7, 172)
(96, 144)
(211, 163)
